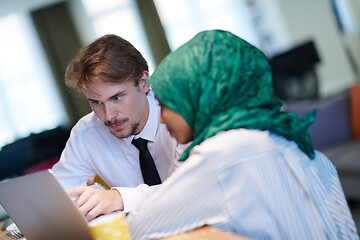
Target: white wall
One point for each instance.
(9, 6)
(86, 31)
(307, 19)
(272, 27)
(351, 34)
(82, 22)
(289, 21)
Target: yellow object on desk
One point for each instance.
(98, 179)
(110, 227)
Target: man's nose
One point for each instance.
(110, 112)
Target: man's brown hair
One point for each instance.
(110, 59)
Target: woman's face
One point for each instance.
(176, 125)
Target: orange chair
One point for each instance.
(355, 110)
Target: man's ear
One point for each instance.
(145, 75)
(143, 85)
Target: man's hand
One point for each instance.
(94, 202)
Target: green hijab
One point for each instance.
(218, 82)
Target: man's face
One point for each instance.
(122, 107)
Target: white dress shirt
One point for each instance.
(92, 149)
(252, 183)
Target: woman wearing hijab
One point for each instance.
(251, 169)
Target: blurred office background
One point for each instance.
(39, 37)
(313, 46)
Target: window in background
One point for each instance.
(29, 102)
(120, 17)
(347, 16)
(344, 18)
(182, 20)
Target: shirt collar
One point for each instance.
(150, 128)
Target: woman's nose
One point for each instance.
(161, 119)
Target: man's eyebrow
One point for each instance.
(115, 95)
(92, 100)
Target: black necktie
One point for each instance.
(147, 165)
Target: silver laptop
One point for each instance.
(41, 208)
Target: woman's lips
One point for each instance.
(170, 132)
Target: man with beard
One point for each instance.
(112, 74)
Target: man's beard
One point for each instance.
(134, 127)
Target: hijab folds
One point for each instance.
(218, 82)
